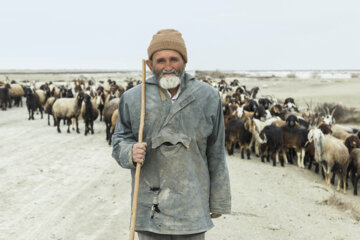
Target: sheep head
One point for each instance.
(292, 121)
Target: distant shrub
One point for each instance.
(291, 75)
(342, 113)
(355, 75)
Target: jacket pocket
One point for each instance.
(171, 142)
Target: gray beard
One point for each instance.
(169, 81)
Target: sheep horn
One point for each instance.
(333, 111)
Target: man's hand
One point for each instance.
(215, 215)
(138, 152)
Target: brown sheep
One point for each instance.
(109, 109)
(355, 167)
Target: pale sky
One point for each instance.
(219, 35)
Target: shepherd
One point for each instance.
(184, 180)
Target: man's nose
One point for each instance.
(168, 66)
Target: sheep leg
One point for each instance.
(268, 155)
(32, 114)
(242, 151)
(302, 158)
(344, 182)
(338, 185)
(333, 179)
(29, 110)
(77, 125)
(284, 156)
(275, 159)
(262, 157)
(298, 159)
(257, 146)
(92, 126)
(68, 124)
(41, 111)
(73, 125)
(48, 119)
(248, 151)
(86, 120)
(58, 125)
(356, 178)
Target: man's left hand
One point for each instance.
(215, 215)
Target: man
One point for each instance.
(184, 179)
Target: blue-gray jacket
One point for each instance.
(184, 176)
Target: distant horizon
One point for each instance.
(105, 70)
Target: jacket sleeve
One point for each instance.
(123, 137)
(220, 195)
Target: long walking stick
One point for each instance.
(138, 165)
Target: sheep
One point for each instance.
(352, 142)
(256, 126)
(325, 128)
(266, 103)
(67, 108)
(16, 91)
(33, 103)
(271, 135)
(4, 96)
(341, 134)
(310, 149)
(236, 132)
(277, 110)
(332, 154)
(355, 167)
(329, 117)
(113, 123)
(260, 113)
(243, 115)
(294, 136)
(89, 113)
(109, 109)
(42, 96)
(250, 105)
(289, 105)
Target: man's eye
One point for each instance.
(160, 61)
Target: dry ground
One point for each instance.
(68, 187)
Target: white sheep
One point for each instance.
(332, 154)
(68, 108)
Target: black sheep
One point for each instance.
(4, 96)
(272, 135)
(33, 103)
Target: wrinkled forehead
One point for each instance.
(166, 54)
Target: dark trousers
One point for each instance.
(155, 236)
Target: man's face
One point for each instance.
(168, 67)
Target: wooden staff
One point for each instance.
(138, 165)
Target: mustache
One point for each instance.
(172, 71)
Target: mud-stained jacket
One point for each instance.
(184, 176)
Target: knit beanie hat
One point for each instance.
(167, 39)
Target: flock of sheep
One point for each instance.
(271, 128)
(67, 103)
(281, 131)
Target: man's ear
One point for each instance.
(149, 64)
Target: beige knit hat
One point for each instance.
(168, 39)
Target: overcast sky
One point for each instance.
(223, 35)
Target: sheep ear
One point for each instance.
(327, 110)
